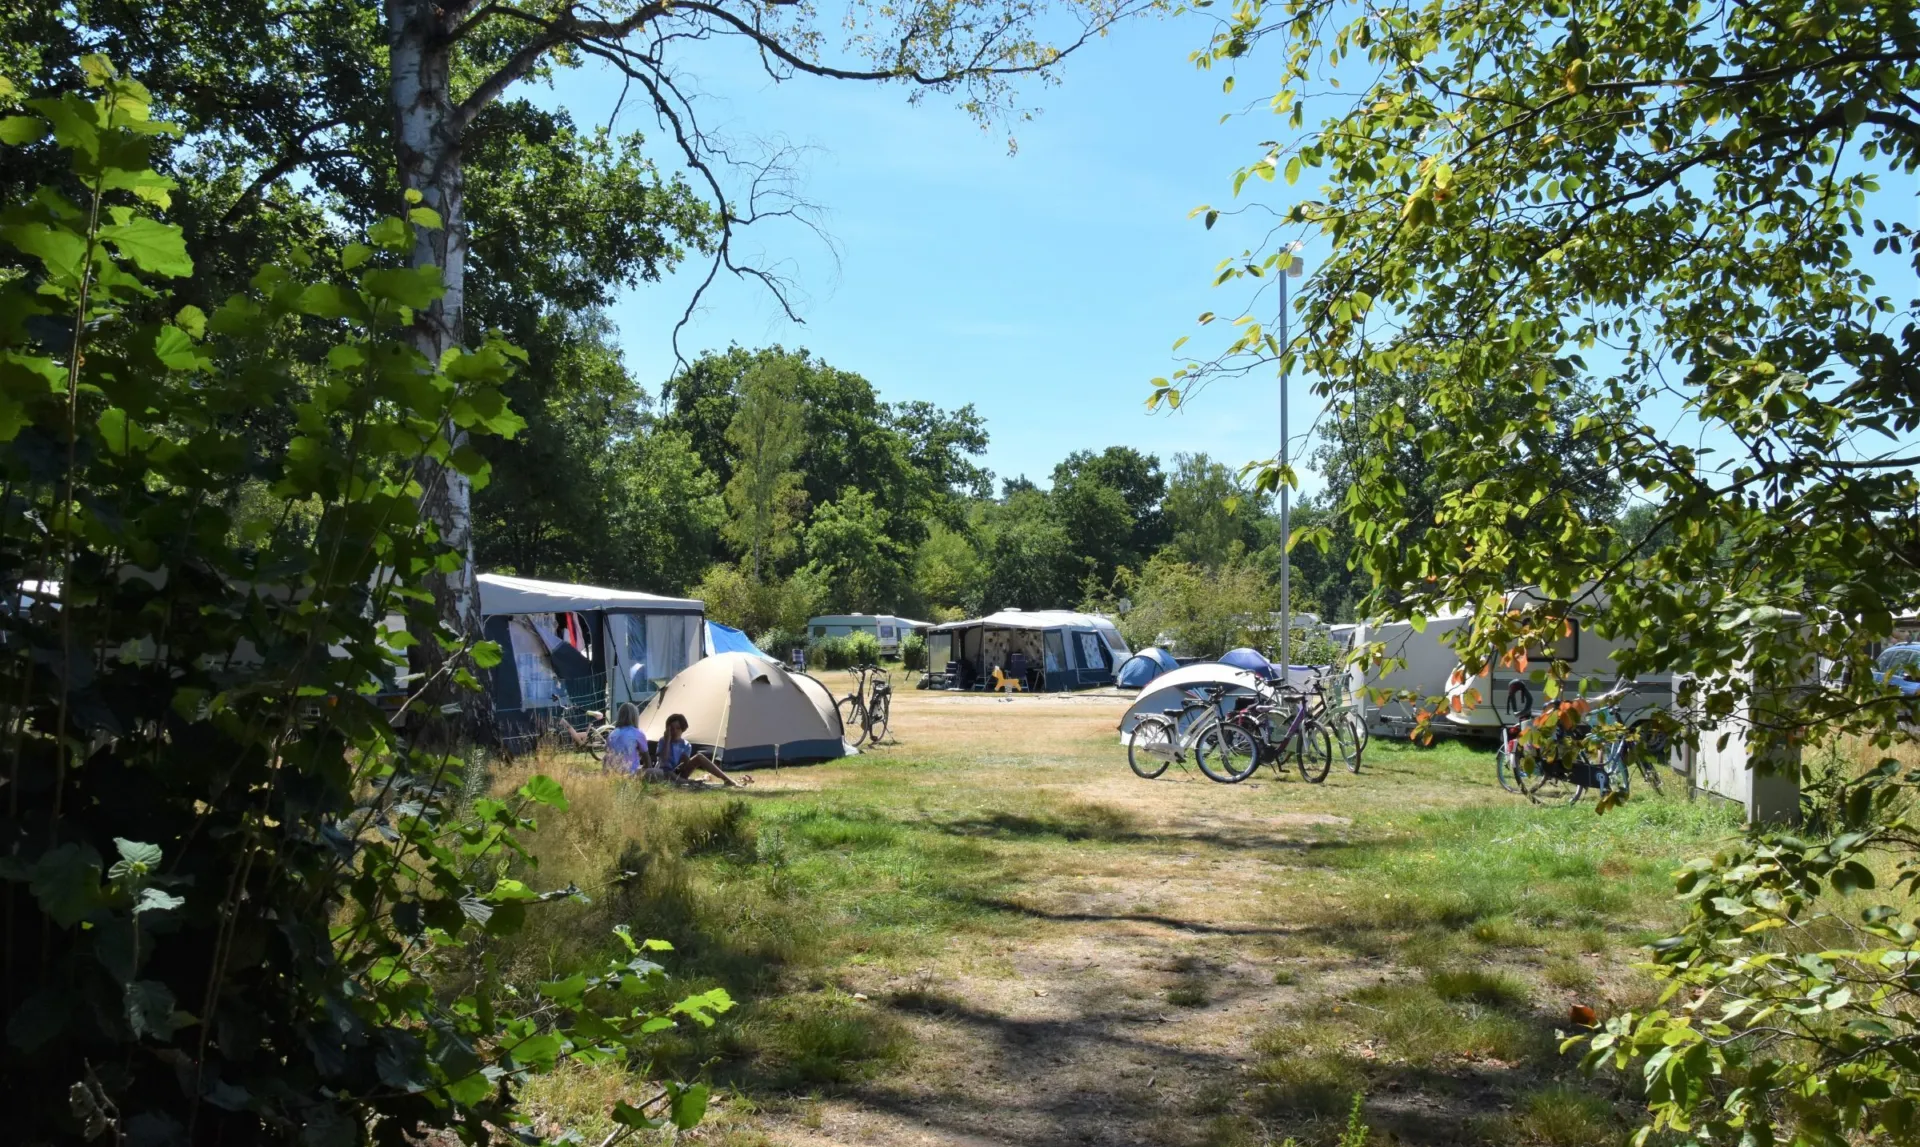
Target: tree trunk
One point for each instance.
(427, 143)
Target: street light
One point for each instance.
(1294, 269)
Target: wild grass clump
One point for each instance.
(1305, 1068)
(1415, 1023)
(1479, 986)
(1559, 1116)
(819, 1039)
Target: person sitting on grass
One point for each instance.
(675, 759)
(626, 745)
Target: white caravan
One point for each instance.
(1428, 660)
(1505, 694)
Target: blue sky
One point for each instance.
(1046, 287)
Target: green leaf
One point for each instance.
(136, 858)
(425, 217)
(485, 654)
(416, 287)
(688, 1105)
(155, 247)
(149, 1009)
(354, 255)
(537, 1052)
(66, 883)
(543, 789)
(193, 320)
(391, 235)
(61, 251)
(22, 129)
(567, 991)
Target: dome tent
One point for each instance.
(1250, 660)
(748, 710)
(1144, 666)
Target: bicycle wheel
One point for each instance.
(1350, 739)
(1150, 747)
(853, 720)
(597, 742)
(877, 718)
(1650, 750)
(1227, 753)
(1313, 753)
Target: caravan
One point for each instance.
(1390, 699)
(1504, 693)
(886, 628)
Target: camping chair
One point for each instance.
(1004, 683)
(1017, 669)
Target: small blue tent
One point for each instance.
(1249, 660)
(1144, 666)
(727, 639)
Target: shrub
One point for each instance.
(829, 653)
(863, 648)
(230, 891)
(913, 651)
(781, 642)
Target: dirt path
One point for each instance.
(1129, 1008)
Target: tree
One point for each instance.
(765, 493)
(1379, 408)
(850, 550)
(1030, 563)
(1210, 517)
(1199, 611)
(948, 575)
(1688, 195)
(1111, 504)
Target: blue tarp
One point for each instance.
(727, 639)
(1144, 666)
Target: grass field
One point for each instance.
(991, 931)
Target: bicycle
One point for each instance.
(1218, 746)
(1306, 742)
(869, 707)
(1561, 763)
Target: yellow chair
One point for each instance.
(1005, 684)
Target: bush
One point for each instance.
(829, 653)
(913, 651)
(229, 887)
(863, 649)
(781, 642)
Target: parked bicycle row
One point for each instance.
(1230, 730)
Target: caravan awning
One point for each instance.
(1034, 619)
(501, 594)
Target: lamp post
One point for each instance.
(1294, 268)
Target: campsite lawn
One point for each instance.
(991, 931)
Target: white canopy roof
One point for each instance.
(502, 594)
(1031, 619)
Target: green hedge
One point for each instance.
(913, 651)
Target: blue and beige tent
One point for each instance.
(1144, 666)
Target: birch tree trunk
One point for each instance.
(427, 138)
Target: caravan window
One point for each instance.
(1056, 652)
(886, 631)
(1092, 649)
(819, 631)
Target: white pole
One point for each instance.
(1286, 518)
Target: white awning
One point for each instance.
(502, 594)
(1030, 619)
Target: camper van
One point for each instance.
(1504, 694)
(885, 627)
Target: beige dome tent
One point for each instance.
(747, 710)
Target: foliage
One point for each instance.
(1194, 610)
(850, 551)
(780, 642)
(1789, 994)
(913, 651)
(1691, 196)
(734, 598)
(830, 653)
(863, 648)
(229, 887)
(765, 494)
